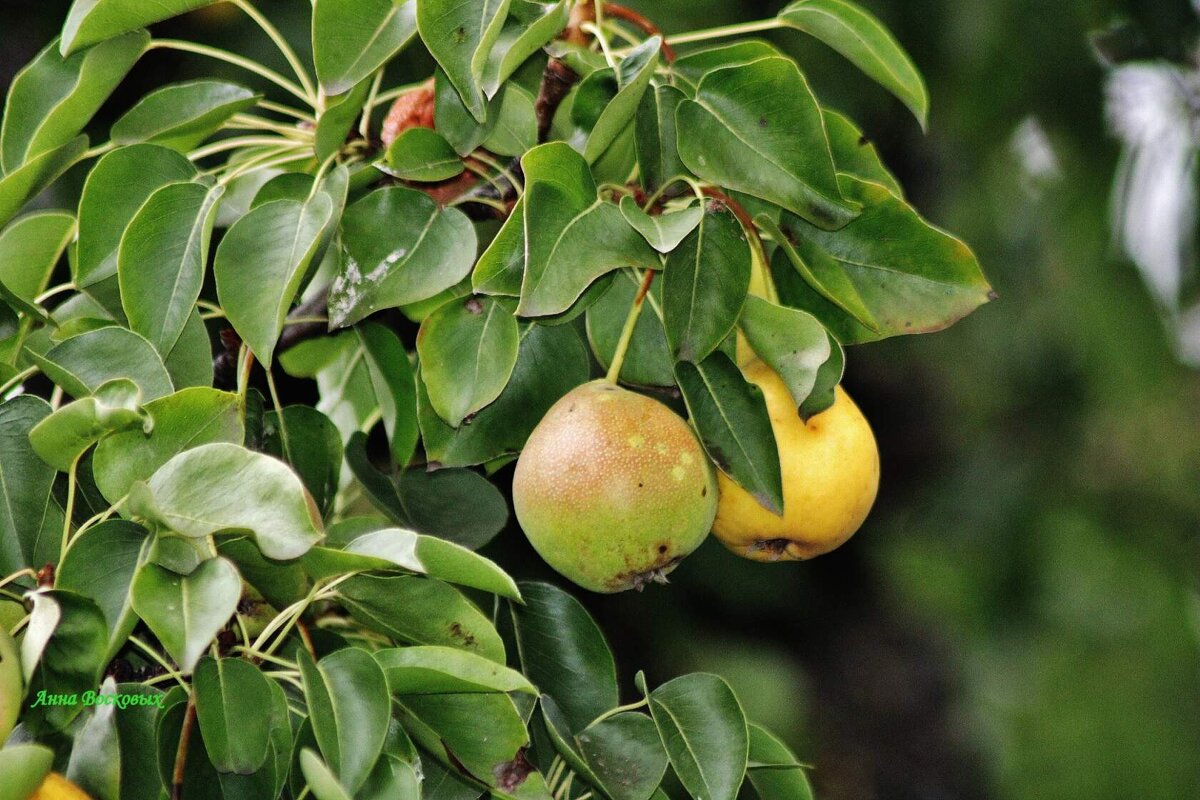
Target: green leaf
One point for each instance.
(30, 248)
(190, 362)
(867, 43)
(551, 361)
(162, 259)
(514, 125)
(907, 275)
(501, 267)
(260, 264)
(95, 762)
(694, 65)
(353, 38)
(66, 639)
(421, 611)
(217, 487)
(656, 141)
(61, 438)
(792, 342)
(308, 441)
(84, 363)
(52, 98)
(421, 154)
(136, 735)
(186, 612)
(320, 778)
(454, 504)
(467, 351)
(391, 779)
(182, 420)
(731, 417)
(528, 27)
(703, 729)
(92, 21)
(460, 35)
(182, 115)
(564, 653)
(23, 767)
(344, 381)
(446, 670)
(226, 689)
(572, 237)
(854, 154)
(21, 185)
(399, 247)
(618, 95)
(757, 128)
(28, 517)
(663, 232)
(337, 120)
(705, 285)
(395, 388)
(774, 771)
(829, 376)
(453, 120)
(437, 558)
(648, 360)
(625, 754)
(100, 565)
(116, 188)
(349, 706)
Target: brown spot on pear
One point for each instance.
(830, 468)
(601, 501)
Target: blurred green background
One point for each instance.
(1019, 618)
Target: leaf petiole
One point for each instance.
(724, 31)
(635, 311)
(232, 58)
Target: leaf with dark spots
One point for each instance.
(512, 774)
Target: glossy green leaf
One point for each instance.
(225, 688)
(792, 342)
(563, 652)
(344, 380)
(349, 706)
(337, 120)
(437, 558)
(23, 767)
(421, 611)
(61, 438)
(28, 516)
(854, 154)
(774, 771)
(52, 98)
(619, 100)
(528, 27)
(446, 670)
(162, 259)
(190, 362)
(22, 184)
(703, 729)
(217, 487)
(692, 66)
(399, 248)
(656, 141)
(829, 376)
(467, 351)
(92, 21)
(182, 420)
(757, 128)
(84, 363)
(391, 779)
(136, 729)
(310, 442)
(395, 388)
(182, 115)
(455, 504)
(731, 417)
(95, 762)
(514, 128)
(186, 612)
(453, 120)
(66, 639)
(705, 285)
(320, 778)
(421, 154)
(460, 35)
(353, 38)
(501, 267)
(663, 232)
(572, 237)
(100, 565)
(648, 360)
(116, 188)
(908, 276)
(625, 754)
(260, 264)
(551, 361)
(30, 248)
(866, 42)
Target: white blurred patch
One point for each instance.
(1035, 154)
(1154, 108)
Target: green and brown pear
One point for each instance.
(613, 489)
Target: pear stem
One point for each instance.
(635, 311)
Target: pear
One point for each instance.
(12, 685)
(56, 787)
(613, 489)
(830, 469)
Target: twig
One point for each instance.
(185, 736)
(642, 23)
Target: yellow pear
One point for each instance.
(830, 469)
(56, 787)
(613, 489)
(12, 685)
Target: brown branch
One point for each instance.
(185, 737)
(743, 216)
(641, 23)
